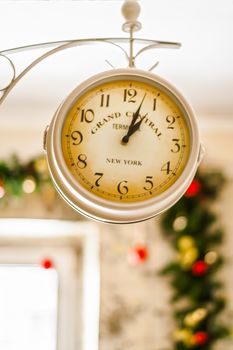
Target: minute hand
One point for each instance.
(125, 139)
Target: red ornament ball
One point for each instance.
(193, 189)
(199, 268)
(2, 189)
(200, 338)
(47, 263)
(137, 255)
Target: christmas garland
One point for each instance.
(192, 228)
(16, 178)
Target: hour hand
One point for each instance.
(132, 130)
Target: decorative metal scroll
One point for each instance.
(58, 46)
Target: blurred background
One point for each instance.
(69, 283)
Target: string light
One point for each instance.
(29, 185)
(180, 223)
(211, 257)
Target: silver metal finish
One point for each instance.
(98, 208)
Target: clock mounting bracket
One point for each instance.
(125, 45)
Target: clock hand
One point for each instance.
(132, 130)
(135, 116)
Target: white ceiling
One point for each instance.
(202, 69)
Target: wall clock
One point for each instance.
(123, 146)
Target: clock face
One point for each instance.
(126, 140)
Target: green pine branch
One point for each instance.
(197, 285)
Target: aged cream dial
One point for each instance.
(123, 147)
(114, 165)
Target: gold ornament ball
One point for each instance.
(185, 243)
(193, 318)
(189, 321)
(188, 257)
(200, 314)
(184, 336)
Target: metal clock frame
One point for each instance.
(101, 209)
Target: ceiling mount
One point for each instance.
(131, 10)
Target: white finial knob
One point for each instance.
(131, 10)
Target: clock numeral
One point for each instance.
(87, 115)
(149, 183)
(76, 136)
(122, 188)
(176, 148)
(129, 95)
(99, 177)
(104, 100)
(154, 104)
(171, 120)
(167, 168)
(81, 163)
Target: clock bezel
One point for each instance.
(96, 207)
